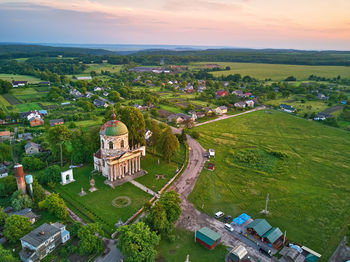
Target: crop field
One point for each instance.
(280, 72)
(4, 104)
(11, 99)
(303, 165)
(10, 77)
(28, 107)
(27, 94)
(97, 206)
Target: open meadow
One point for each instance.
(10, 77)
(279, 72)
(303, 165)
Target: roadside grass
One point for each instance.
(28, 107)
(184, 245)
(278, 71)
(309, 189)
(10, 77)
(97, 206)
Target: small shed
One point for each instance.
(260, 226)
(237, 254)
(207, 237)
(211, 166)
(211, 152)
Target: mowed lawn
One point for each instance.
(28, 107)
(280, 72)
(184, 245)
(309, 189)
(10, 77)
(99, 203)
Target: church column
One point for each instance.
(110, 173)
(139, 163)
(115, 173)
(123, 169)
(132, 166)
(129, 166)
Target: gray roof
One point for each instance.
(53, 121)
(31, 144)
(40, 234)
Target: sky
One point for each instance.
(298, 24)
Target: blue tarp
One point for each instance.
(238, 220)
(244, 217)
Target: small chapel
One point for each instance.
(116, 159)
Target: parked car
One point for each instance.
(219, 214)
(229, 227)
(266, 251)
(227, 218)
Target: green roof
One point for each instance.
(260, 226)
(113, 128)
(273, 234)
(207, 235)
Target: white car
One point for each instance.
(229, 227)
(219, 214)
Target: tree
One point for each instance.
(171, 201)
(135, 122)
(57, 136)
(32, 163)
(5, 152)
(157, 219)
(55, 205)
(20, 201)
(114, 96)
(38, 192)
(5, 86)
(169, 144)
(8, 185)
(16, 227)
(155, 129)
(3, 217)
(89, 241)
(137, 242)
(188, 123)
(6, 255)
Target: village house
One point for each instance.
(43, 240)
(25, 136)
(240, 104)
(221, 110)
(105, 93)
(208, 110)
(239, 253)
(19, 83)
(322, 96)
(32, 148)
(45, 83)
(137, 106)
(207, 237)
(55, 122)
(201, 88)
(287, 108)
(179, 118)
(36, 121)
(221, 93)
(250, 103)
(99, 103)
(5, 135)
(75, 92)
(200, 114)
(84, 78)
(322, 116)
(27, 212)
(247, 94)
(238, 93)
(43, 112)
(88, 95)
(97, 88)
(193, 115)
(148, 134)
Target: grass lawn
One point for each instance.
(104, 67)
(10, 77)
(28, 107)
(97, 206)
(280, 72)
(309, 189)
(170, 108)
(87, 123)
(184, 245)
(150, 164)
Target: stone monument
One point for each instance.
(67, 174)
(82, 193)
(92, 184)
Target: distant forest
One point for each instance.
(153, 57)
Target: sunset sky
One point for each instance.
(299, 24)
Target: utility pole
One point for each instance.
(265, 211)
(284, 237)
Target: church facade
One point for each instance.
(115, 159)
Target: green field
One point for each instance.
(303, 165)
(98, 205)
(280, 72)
(170, 108)
(28, 94)
(184, 245)
(28, 107)
(10, 77)
(104, 67)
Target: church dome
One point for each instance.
(113, 128)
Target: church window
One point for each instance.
(111, 145)
(122, 144)
(103, 144)
(103, 162)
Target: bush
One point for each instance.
(32, 163)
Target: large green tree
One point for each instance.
(55, 205)
(135, 122)
(8, 185)
(57, 137)
(20, 200)
(3, 217)
(16, 227)
(5, 152)
(90, 239)
(137, 242)
(171, 201)
(157, 220)
(38, 192)
(169, 144)
(156, 132)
